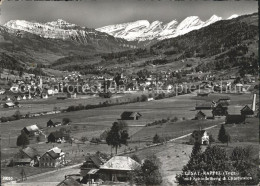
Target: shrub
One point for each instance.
(66, 121)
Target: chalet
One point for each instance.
(50, 123)
(235, 119)
(31, 130)
(9, 105)
(118, 168)
(200, 136)
(57, 137)
(200, 115)
(130, 115)
(219, 110)
(68, 181)
(246, 110)
(52, 158)
(90, 167)
(204, 106)
(28, 156)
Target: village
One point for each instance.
(54, 140)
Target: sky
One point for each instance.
(98, 13)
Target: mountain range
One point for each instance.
(142, 30)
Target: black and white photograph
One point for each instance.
(129, 92)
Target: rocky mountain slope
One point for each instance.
(142, 30)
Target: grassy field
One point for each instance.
(91, 123)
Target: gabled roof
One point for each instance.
(68, 182)
(246, 108)
(30, 152)
(120, 163)
(10, 104)
(128, 114)
(55, 152)
(200, 113)
(32, 128)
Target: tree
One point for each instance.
(17, 115)
(223, 136)
(212, 159)
(66, 121)
(117, 137)
(148, 173)
(22, 140)
(157, 139)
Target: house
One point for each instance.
(31, 130)
(52, 158)
(220, 110)
(235, 119)
(246, 110)
(9, 105)
(68, 181)
(116, 169)
(90, 167)
(200, 136)
(57, 137)
(130, 115)
(200, 115)
(27, 154)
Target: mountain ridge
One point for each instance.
(143, 30)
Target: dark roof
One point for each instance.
(201, 113)
(246, 108)
(53, 154)
(95, 159)
(128, 114)
(200, 132)
(69, 181)
(57, 134)
(30, 152)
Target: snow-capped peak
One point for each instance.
(212, 20)
(142, 30)
(60, 23)
(232, 16)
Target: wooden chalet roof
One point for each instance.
(30, 152)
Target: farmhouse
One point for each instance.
(220, 110)
(118, 168)
(50, 123)
(57, 136)
(52, 158)
(205, 114)
(115, 169)
(31, 130)
(9, 105)
(26, 156)
(130, 115)
(200, 136)
(246, 110)
(68, 181)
